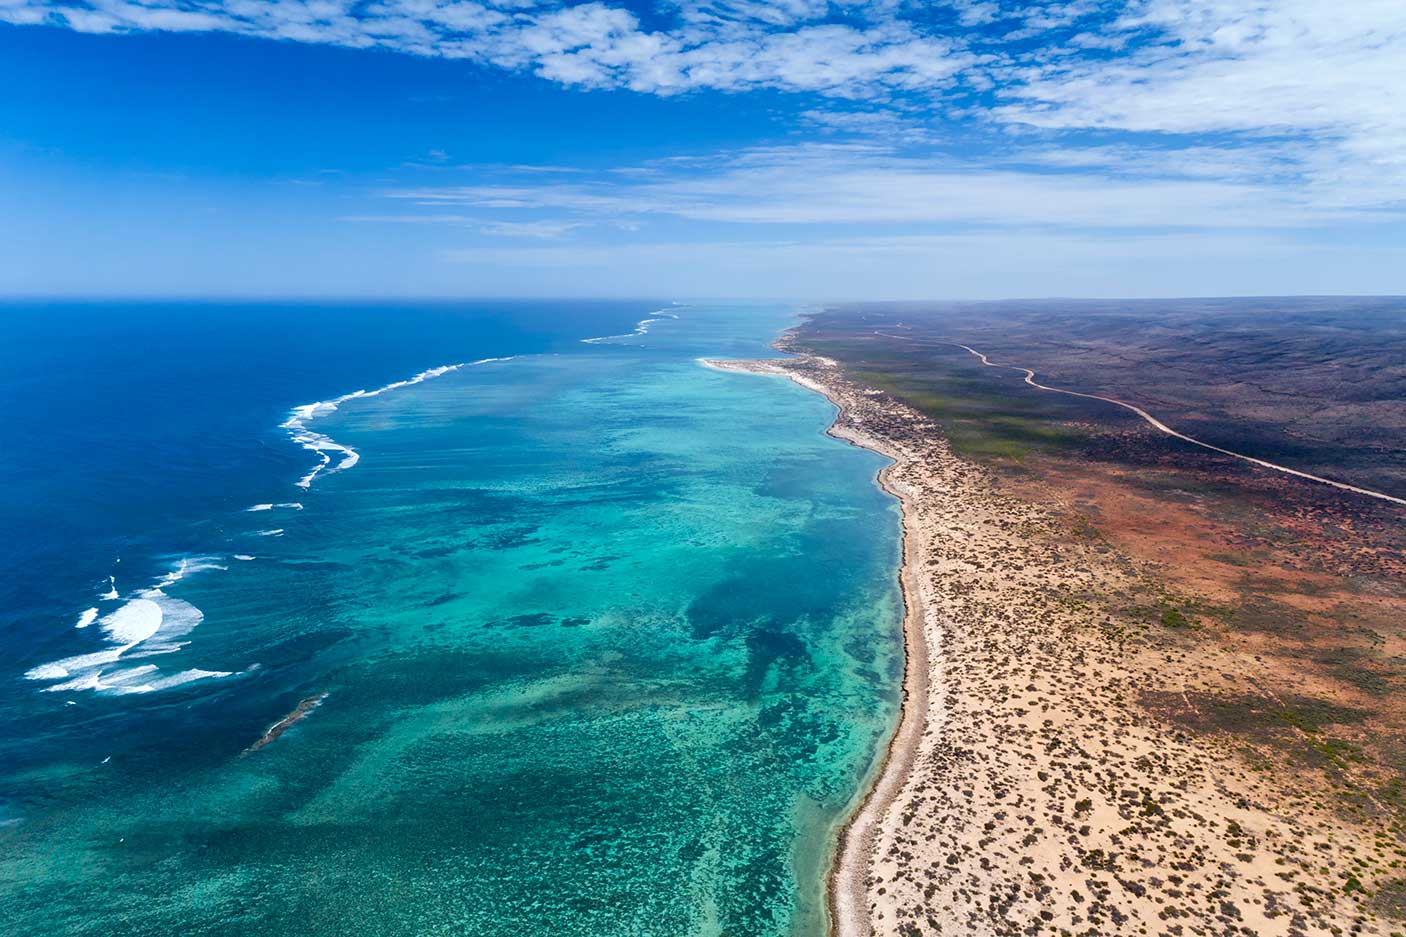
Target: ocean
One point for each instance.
(436, 618)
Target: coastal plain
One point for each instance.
(1127, 709)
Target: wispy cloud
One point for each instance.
(810, 184)
(727, 46)
(543, 229)
(1322, 72)
(983, 265)
(1329, 73)
(1065, 126)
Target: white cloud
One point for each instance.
(816, 185)
(886, 125)
(976, 13)
(541, 229)
(990, 265)
(1204, 115)
(726, 46)
(1330, 72)
(1325, 68)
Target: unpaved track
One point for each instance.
(1163, 427)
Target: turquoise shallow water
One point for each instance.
(609, 642)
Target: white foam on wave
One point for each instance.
(166, 683)
(148, 624)
(641, 328)
(97, 680)
(325, 446)
(186, 566)
(178, 619)
(133, 623)
(57, 670)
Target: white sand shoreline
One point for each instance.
(1040, 778)
(847, 901)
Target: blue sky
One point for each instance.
(971, 148)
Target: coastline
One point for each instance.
(846, 893)
(847, 897)
(1050, 771)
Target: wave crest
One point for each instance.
(147, 624)
(325, 446)
(641, 328)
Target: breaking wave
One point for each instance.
(147, 624)
(641, 328)
(150, 622)
(325, 446)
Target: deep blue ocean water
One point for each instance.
(600, 641)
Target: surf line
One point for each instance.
(1163, 427)
(641, 328)
(324, 445)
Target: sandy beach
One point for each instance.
(1049, 774)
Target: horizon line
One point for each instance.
(297, 298)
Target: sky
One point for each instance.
(685, 148)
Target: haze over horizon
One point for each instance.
(970, 148)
